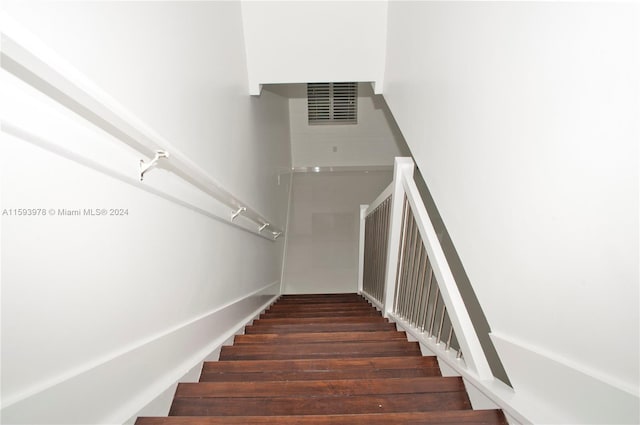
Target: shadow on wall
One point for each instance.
(464, 284)
(380, 103)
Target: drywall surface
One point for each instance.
(101, 314)
(178, 71)
(523, 121)
(314, 41)
(374, 141)
(322, 238)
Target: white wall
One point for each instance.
(523, 120)
(374, 141)
(307, 41)
(102, 314)
(324, 225)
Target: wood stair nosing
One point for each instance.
(448, 417)
(319, 301)
(316, 350)
(318, 359)
(318, 374)
(318, 405)
(305, 365)
(313, 369)
(327, 313)
(319, 297)
(346, 309)
(353, 304)
(319, 320)
(329, 355)
(318, 337)
(326, 346)
(322, 295)
(319, 327)
(324, 387)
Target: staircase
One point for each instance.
(323, 360)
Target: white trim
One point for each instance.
(533, 401)
(493, 389)
(462, 324)
(377, 304)
(363, 216)
(93, 364)
(199, 357)
(286, 232)
(570, 364)
(577, 393)
(403, 166)
(403, 184)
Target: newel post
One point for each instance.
(402, 167)
(363, 220)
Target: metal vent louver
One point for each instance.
(332, 103)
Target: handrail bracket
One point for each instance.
(144, 167)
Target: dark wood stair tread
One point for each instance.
(313, 369)
(320, 327)
(335, 314)
(318, 320)
(306, 365)
(323, 295)
(323, 359)
(322, 307)
(301, 301)
(318, 374)
(463, 417)
(327, 306)
(318, 405)
(318, 337)
(325, 387)
(320, 350)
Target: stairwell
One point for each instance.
(320, 360)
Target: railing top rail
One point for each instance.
(380, 199)
(32, 61)
(467, 337)
(404, 185)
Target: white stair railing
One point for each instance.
(376, 231)
(403, 270)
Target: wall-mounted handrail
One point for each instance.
(30, 60)
(418, 241)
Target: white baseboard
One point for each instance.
(553, 390)
(139, 379)
(483, 394)
(377, 304)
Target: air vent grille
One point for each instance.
(332, 103)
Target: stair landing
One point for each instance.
(323, 359)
